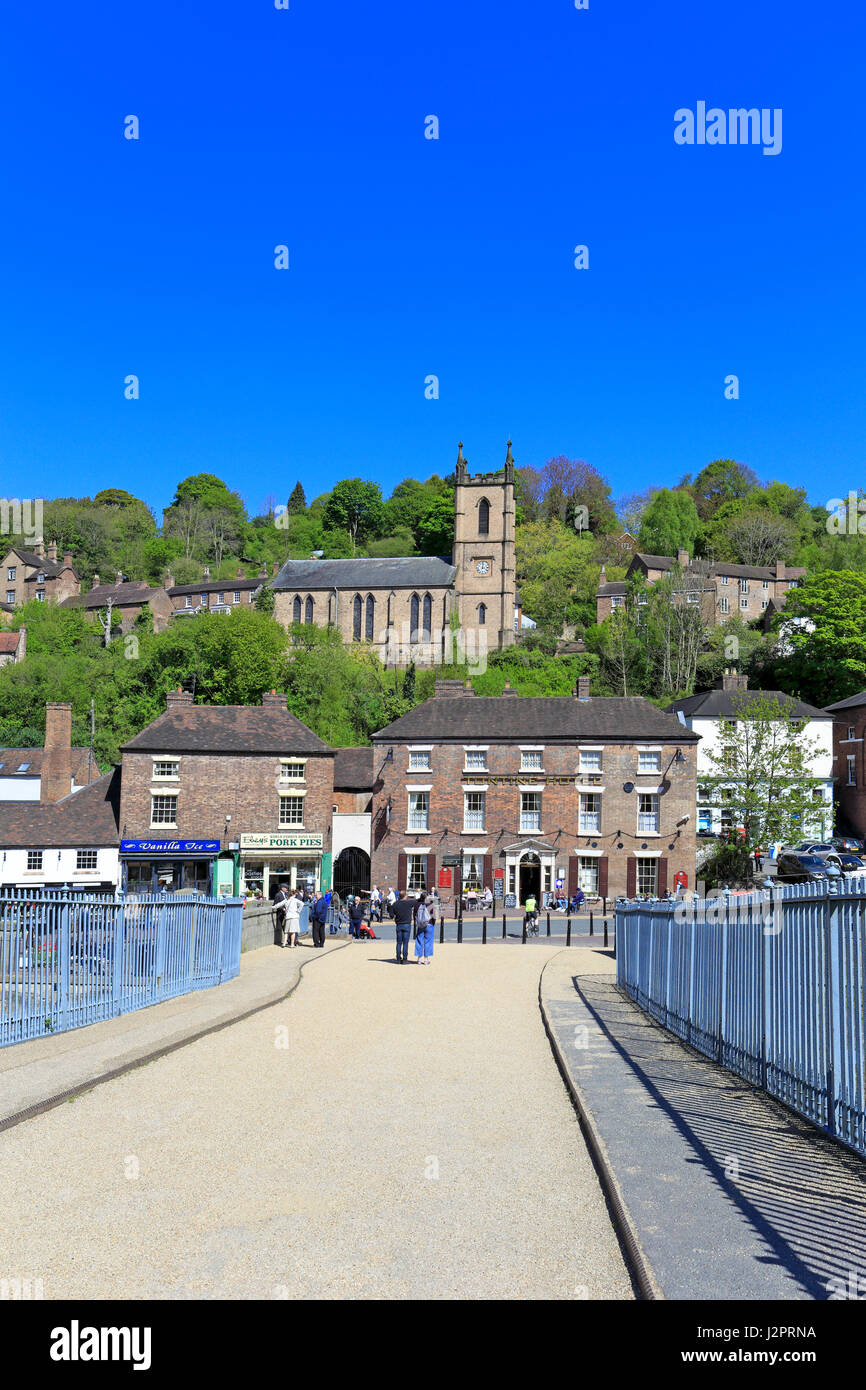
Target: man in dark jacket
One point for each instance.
(404, 909)
(318, 918)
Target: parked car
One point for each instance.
(847, 842)
(852, 863)
(807, 868)
(814, 847)
(705, 834)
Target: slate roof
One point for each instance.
(12, 758)
(616, 586)
(133, 591)
(353, 769)
(9, 643)
(411, 572)
(851, 703)
(88, 818)
(7, 607)
(610, 719)
(226, 729)
(50, 568)
(724, 704)
(666, 562)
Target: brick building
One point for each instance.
(226, 798)
(849, 763)
(71, 842)
(37, 574)
(213, 595)
(721, 590)
(127, 597)
(403, 607)
(46, 774)
(594, 792)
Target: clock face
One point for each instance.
(482, 567)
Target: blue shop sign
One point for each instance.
(169, 846)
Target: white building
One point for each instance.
(72, 842)
(706, 714)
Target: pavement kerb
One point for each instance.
(195, 1033)
(626, 1229)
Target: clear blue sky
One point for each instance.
(411, 256)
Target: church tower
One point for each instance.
(485, 585)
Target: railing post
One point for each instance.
(119, 935)
(63, 1000)
(723, 971)
(833, 986)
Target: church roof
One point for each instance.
(411, 572)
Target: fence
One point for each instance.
(769, 984)
(69, 959)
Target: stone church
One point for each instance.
(423, 608)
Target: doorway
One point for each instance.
(530, 878)
(352, 872)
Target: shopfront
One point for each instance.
(294, 858)
(170, 866)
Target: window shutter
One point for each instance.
(573, 866)
(487, 872)
(401, 872)
(430, 879)
(602, 877)
(662, 880)
(631, 876)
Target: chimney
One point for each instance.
(274, 700)
(118, 576)
(508, 689)
(275, 567)
(780, 569)
(67, 559)
(56, 780)
(206, 573)
(95, 584)
(683, 558)
(263, 572)
(583, 687)
(169, 581)
(39, 548)
(734, 680)
(52, 551)
(175, 698)
(240, 573)
(602, 578)
(449, 690)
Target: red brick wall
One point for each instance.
(560, 809)
(850, 801)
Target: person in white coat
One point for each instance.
(294, 907)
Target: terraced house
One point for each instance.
(596, 793)
(719, 589)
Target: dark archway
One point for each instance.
(352, 872)
(530, 878)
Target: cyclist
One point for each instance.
(530, 909)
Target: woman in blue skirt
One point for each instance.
(424, 928)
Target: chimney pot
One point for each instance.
(780, 569)
(735, 680)
(274, 699)
(95, 584)
(52, 550)
(583, 687)
(67, 558)
(177, 697)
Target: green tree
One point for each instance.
(723, 480)
(826, 649)
(297, 500)
(669, 522)
(761, 770)
(356, 507)
(434, 532)
(557, 574)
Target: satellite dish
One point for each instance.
(628, 786)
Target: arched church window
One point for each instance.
(356, 618)
(296, 611)
(414, 611)
(308, 611)
(483, 517)
(370, 617)
(482, 614)
(428, 618)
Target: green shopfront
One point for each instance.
(293, 857)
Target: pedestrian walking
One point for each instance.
(356, 917)
(318, 919)
(281, 897)
(404, 910)
(390, 901)
(375, 905)
(334, 903)
(294, 907)
(759, 859)
(424, 932)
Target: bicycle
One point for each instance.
(530, 923)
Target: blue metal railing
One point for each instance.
(68, 959)
(770, 984)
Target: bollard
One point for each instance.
(590, 924)
(459, 929)
(503, 927)
(442, 931)
(484, 931)
(548, 924)
(524, 929)
(604, 905)
(568, 933)
(605, 933)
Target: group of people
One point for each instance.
(411, 915)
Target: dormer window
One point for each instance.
(483, 517)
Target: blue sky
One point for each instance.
(411, 257)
